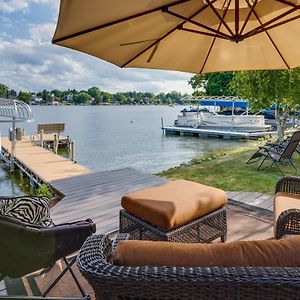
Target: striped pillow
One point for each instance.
(29, 209)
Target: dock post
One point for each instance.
(55, 144)
(73, 151)
(162, 123)
(42, 138)
(13, 145)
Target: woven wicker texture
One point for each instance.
(117, 282)
(201, 230)
(288, 222)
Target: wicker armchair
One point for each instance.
(288, 222)
(119, 282)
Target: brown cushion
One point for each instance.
(174, 203)
(243, 253)
(284, 201)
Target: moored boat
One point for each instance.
(214, 114)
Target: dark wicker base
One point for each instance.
(111, 282)
(202, 230)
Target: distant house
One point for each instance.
(68, 98)
(35, 100)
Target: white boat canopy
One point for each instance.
(14, 110)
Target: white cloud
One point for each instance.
(34, 64)
(10, 6)
(41, 33)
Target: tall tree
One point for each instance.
(95, 93)
(46, 96)
(265, 89)
(25, 96)
(3, 91)
(213, 84)
(82, 98)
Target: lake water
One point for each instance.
(113, 137)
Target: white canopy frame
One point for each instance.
(14, 111)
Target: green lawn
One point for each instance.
(230, 172)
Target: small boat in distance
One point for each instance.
(222, 114)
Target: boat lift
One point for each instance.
(13, 111)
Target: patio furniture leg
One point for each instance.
(67, 268)
(276, 164)
(224, 238)
(291, 162)
(261, 163)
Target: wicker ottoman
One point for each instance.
(178, 211)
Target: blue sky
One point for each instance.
(28, 60)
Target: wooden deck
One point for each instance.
(260, 200)
(44, 163)
(97, 196)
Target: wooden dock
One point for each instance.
(216, 133)
(42, 163)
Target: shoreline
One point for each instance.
(229, 171)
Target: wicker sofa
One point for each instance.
(288, 221)
(118, 282)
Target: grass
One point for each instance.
(229, 171)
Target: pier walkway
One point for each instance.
(41, 162)
(96, 195)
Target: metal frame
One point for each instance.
(68, 267)
(14, 111)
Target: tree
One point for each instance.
(58, 94)
(120, 98)
(265, 89)
(213, 84)
(3, 91)
(12, 94)
(25, 96)
(46, 96)
(106, 97)
(95, 93)
(82, 97)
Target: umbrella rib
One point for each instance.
(263, 25)
(248, 17)
(270, 38)
(219, 17)
(214, 40)
(276, 25)
(198, 24)
(236, 18)
(137, 42)
(203, 33)
(287, 3)
(83, 32)
(164, 36)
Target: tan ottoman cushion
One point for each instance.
(284, 201)
(175, 203)
(270, 253)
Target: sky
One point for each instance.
(29, 62)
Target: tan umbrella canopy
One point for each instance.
(195, 36)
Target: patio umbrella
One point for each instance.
(195, 36)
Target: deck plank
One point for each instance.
(97, 196)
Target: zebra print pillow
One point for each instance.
(30, 209)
